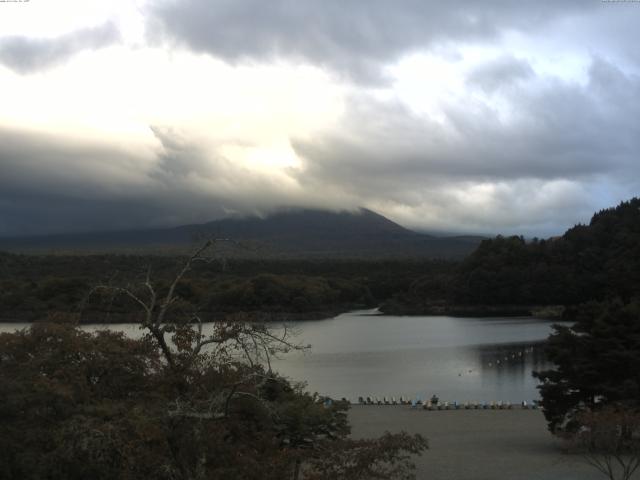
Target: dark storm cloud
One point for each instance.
(51, 184)
(27, 55)
(350, 37)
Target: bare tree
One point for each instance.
(177, 329)
(609, 440)
(221, 385)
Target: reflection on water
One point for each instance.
(461, 359)
(510, 365)
(512, 359)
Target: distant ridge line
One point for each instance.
(288, 233)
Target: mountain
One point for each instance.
(315, 233)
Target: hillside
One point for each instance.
(290, 233)
(597, 261)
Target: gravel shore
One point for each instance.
(477, 444)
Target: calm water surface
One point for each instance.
(462, 359)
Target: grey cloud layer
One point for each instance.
(555, 130)
(54, 185)
(557, 151)
(569, 150)
(566, 147)
(500, 73)
(351, 37)
(27, 55)
(49, 184)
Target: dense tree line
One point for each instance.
(32, 286)
(589, 262)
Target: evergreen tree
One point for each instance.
(597, 363)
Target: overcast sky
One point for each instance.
(471, 116)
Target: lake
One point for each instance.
(364, 354)
(461, 359)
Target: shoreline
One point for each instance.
(477, 444)
(546, 312)
(319, 315)
(267, 317)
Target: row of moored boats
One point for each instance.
(437, 405)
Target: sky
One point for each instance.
(475, 116)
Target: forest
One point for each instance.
(597, 261)
(504, 275)
(32, 286)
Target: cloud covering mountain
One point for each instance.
(485, 116)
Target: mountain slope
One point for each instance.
(285, 233)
